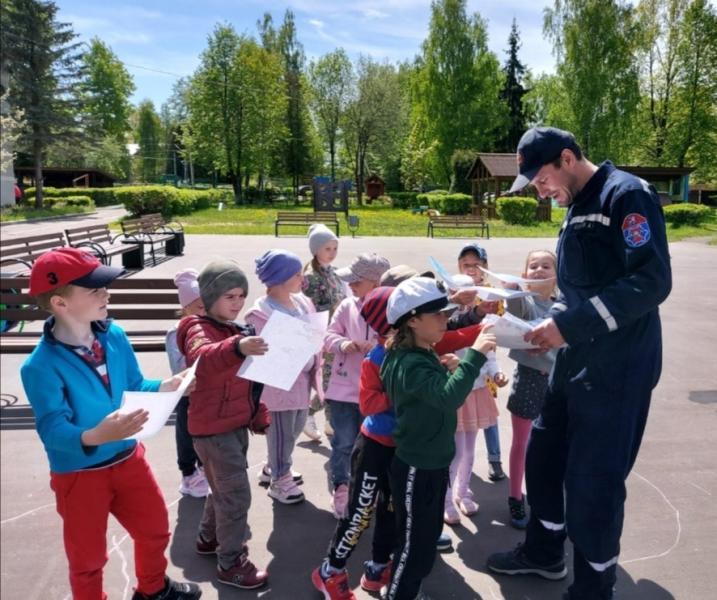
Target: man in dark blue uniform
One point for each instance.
(613, 272)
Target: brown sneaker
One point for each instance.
(206, 547)
(243, 575)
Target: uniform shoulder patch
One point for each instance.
(636, 230)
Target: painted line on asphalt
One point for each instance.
(678, 535)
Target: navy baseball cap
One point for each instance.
(540, 146)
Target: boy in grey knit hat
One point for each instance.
(218, 277)
(223, 409)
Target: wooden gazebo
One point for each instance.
(491, 176)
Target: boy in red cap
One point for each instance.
(75, 393)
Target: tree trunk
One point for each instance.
(37, 152)
(332, 151)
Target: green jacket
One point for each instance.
(425, 397)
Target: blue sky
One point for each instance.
(159, 35)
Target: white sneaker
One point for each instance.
(264, 476)
(285, 490)
(340, 501)
(195, 485)
(310, 430)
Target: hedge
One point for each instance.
(85, 201)
(687, 214)
(143, 199)
(140, 200)
(100, 196)
(448, 204)
(404, 199)
(517, 210)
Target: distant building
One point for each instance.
(64, 177)
(493, 173)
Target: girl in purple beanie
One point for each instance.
(280, 272)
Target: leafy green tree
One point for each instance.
(297, 153)
(330, 80)
(679, 85)
(458, 85)
(595, 43)
(237, 104)
(149, 137)
(106, 90)
(45, 66)
(373, 109)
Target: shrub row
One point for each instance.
(447, 204)
(404, 199)
(687, 214)
(84, 201)
(141, 199)
(517, 210)
(100, 196)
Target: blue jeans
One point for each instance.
(345, 420)
(492, 443)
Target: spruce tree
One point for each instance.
(513, 92)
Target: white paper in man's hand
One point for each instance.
(292, 342)
(506, 278)
(159, 405)
(509, 331)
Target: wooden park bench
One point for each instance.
(132, 300)
(459, 222)
(150, 231)
(156, 223)
(99, 239)
(305, 218)
(18, 254)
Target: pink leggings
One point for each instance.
(521, 435)
(462, 466)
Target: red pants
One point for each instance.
(85, 499)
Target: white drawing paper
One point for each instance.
(292, 342)
(159, 405)
(509, 331)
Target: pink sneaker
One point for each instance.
(195, 485)
(468, 506)
(340, 501)
(451, 516)
(285, 490)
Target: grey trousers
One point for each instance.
(227, 506)
(286, 427)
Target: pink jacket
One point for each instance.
(346, 325)
(298, 397)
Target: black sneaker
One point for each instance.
(444, 543)
(495, 471)
(518, 518)
(173, 590)
(516, 562)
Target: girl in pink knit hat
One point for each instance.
(194, 483)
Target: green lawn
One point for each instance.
(23, 213)
(373, 221)
(384, 221)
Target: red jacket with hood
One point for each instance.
(221, 401)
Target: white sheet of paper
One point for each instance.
(490, 294)
(159, 405)
(443, 274)
(292, 342)
(506, 278)
(509, 331)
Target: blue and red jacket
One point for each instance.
(380, 420)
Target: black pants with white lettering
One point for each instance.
(418, 496)
(368, 491)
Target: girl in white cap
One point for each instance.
(194, 483)
(425, 396)
(323, 287)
